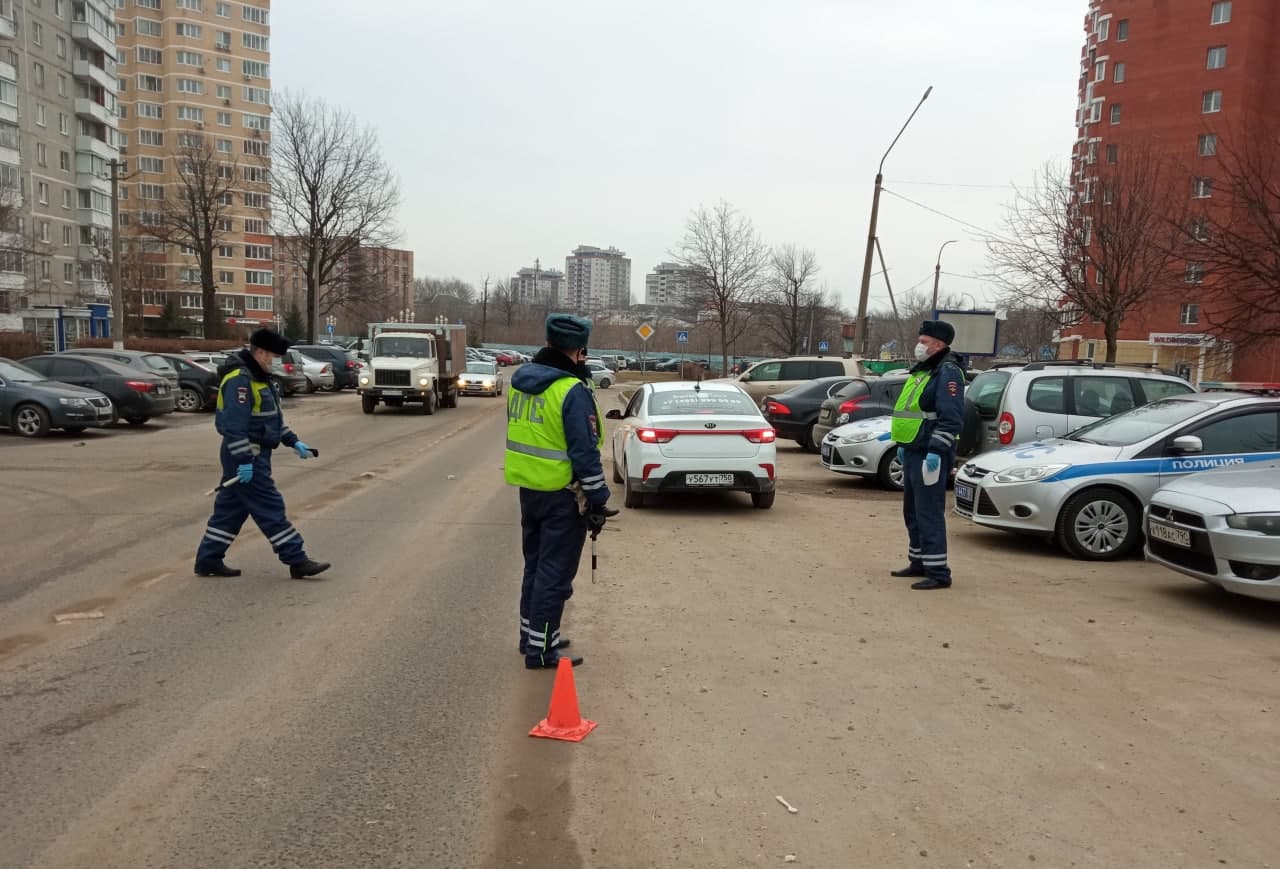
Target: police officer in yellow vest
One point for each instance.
(926, 422)
(554, 436)
(252, 426)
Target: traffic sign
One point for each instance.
(329, 328)
(645, 331)
(682, 337)
(823, 346)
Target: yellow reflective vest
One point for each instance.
(537, 455)
(907, 415)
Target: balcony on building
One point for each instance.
(92, 110)
(93, 23)
(96, 147)
(93, 217)
(95, 70)
(8, 27)
(98, 289)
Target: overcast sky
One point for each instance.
(522, 129)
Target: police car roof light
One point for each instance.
(1234, 386)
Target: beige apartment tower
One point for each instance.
(191, 72)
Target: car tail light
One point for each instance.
(324, 369)
(1006, 428)
(777, 408)
(288, 368)
(850, 406)
(351, 363)
(655, 435)
(140, 385)
(761, 436)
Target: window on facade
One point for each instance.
(187, 30)
(224, 91)
(147, 4)
(255, 41)
(257, 278)
(1203, 188)
(256, 122)
(191, 113)
(1208, 145)
(61, 42)
(1220, 13)
(1190, 315)
(223, 40)
(1115, 113)
(226, 277)
(255, 200)
(1217, 57)
(68, 273)
(190, 58)
(37, 71)
(151, 164)
(153, 83)
(262, 96)
(1103, 29)
(224, 119)
(148, 27)
(224, 64)
(257, 251)
(42, 192)
(190, 86)
(150, 110)
(151, 137)
(64, 161)
(257, 174)
(151, 191)
(150, 55)
(224, 146)
(226, 251)
(1113, 154)
(1122, 30)
(255, 69)
(1100, 71)
(1086, 195)
(1194, 273)
(255, 15)
(255, 226)
(222, 10)
(1199, 229)
(193, 5)
(1119, 73)
(1211, 101)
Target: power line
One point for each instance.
(964, 223)
(949, 184)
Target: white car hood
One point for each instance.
(1056, 451)
(1252, 490)
(878, 424)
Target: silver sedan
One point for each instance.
(1220, 527)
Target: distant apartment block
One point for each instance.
(374, 284)
(597, 279)
(58, 132)
(671, 286)
(538, 286)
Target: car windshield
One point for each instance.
(157, 363)
(19, 373)
(481, 368)
(701, 401)
(1139, 424)
(417, 348)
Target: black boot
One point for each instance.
(216, 568)
(930, 584)
(307, 569)
(909, 570)
(538, 662)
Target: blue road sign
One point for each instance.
(329, 327)
(682, 337)
(823, 346)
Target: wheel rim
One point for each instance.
(1101, 527)
(28, 421)
(895, 472)
(188, 400)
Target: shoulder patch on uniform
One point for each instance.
(953, 388)
(242, 395)
(595, 425)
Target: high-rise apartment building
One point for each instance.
(597, 279)
(196, 74)
(57, 134)
(372, 285)
(671, 286)
(1183, 79)
(537, 286)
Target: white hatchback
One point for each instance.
(693, 437)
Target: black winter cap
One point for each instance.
(940, 329)
(269, 340)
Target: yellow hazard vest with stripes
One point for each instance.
(907, 415)
(257, 387)
(537, 452)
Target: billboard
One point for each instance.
(977, 332)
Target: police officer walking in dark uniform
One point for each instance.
(252, 426)
(927, 420)
(554, 435)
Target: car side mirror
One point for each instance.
(745, 377)
(613, 414)
(1188, 444)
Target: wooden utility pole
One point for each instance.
(117, 291)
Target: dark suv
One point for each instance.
(344, 367)
(864, 398)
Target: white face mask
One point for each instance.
(922, 352)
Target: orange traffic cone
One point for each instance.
(563, 720)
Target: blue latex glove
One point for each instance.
(303, 451)
(244, 473)
(902, 455)
(932, 462)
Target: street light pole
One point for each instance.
(860, 324)
(117, 291)
(937, 271)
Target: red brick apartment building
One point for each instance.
(1185, 79)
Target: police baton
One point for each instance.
(231, 481)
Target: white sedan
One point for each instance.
(693, 437)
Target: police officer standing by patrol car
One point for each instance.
(554, 436)
(927, 420)
(252, 426)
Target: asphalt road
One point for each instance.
(356, 721)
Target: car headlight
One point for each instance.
(73, 402)
(1263, 523)
(424, 382)
(364, 380)
(488, 383)
(860, 437)
(1028, 473)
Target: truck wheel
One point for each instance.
(368, 403)
(429, 403)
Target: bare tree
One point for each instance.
(1096, 246)
(791, 300)
(508, 301)
(484, 308)
(1027, 330)
(334, 193)
(1235, 242)
(428, 289)
(731, 263)
(197, 216)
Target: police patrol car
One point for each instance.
(1088, 490)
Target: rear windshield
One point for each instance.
(986, 391)
(157, 363)
(707, 401)
(853, 389)
(1137, 425)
